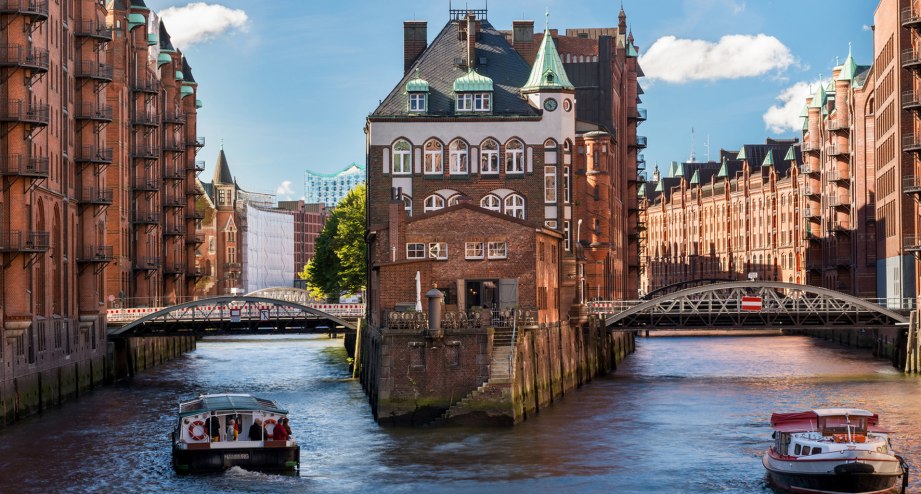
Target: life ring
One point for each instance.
(269, 432)
(200, 426)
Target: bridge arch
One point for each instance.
(783, 306)
(216, 310)
(674, 287)
(287, 293)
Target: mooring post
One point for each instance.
(435, 304)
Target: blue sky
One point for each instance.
(287, 84)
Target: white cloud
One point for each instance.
(866, 27)
(284, 191)
(677, 60)
(785, 116)
(199, 21)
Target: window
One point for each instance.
(514, 157)
(496, 250)
(566, 185)
(481, 102)
(455, 200)
(402, 157)
(566, 235)
(473, 250)
(550, 184)
(434, 163)
(433, 202)
(458, 157)
(465, 102)
(550, 224)
(514, 206)
(408, 204)
(417, 102)
(492, 203)
(415, 251)
(438, 250)
(489, 157)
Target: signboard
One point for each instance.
(263, 316)
(234, 315)
(751, 303)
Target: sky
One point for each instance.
(287, 84)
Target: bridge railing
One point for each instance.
(247, 311)
(892, 303)
(611, 306)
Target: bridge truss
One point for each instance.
(782, 306)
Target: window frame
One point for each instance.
(455, 153)
(463, 102)
(514, 157)
(414, 99)
(443, 253)
(489, 157)
(434, 198)
(498, 199)
(482, 102)
(406, 160)
(506, 207)
(475, 256)
(504, 250)
(426, 161)
(550, 192)
(410, 249)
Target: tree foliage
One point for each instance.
(338, 264)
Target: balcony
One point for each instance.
(231, 266)
(145, 153)
(811, 214)
(18, 241)
(911, 100)
(814, 264)
(174, 202)
(88, 69)
(195, 272)
(173, 146)
(93, 29)
(147, 264)
(839, 201)
(911, 184)
(195, 239)
(640, 143)
(639, 115)
(911, 142)
(812, 190)
(808, 168)
(173, 231)
(910, 18)
(193, 215)
(839, 176)
(836, 150)
(146, 119)
(25, 166)
(640, 162)
(192, 190)
(838, 125)
(174, 117)
(811, 147)
(94, 112)
(97, 254)
(839, 226)
(36, 9)
(811, 236)
(23, 112)
(145, 218)
(149, 85)
(198, 142)
(92, 154)
(34, 59)
(197, 167)
(97, 197)
(142, 184)
(174, 268)
(174, 174)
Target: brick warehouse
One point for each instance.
(87, 86)
(486, 125)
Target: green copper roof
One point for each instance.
(695, 180)
(179, 75)
(471, 81)
(768, 159)
(741, 155)
(135, 20)
(547, 71)
(163, 58)
(679, 170)
(805, 124)
(660, 187)
(418, 85)
(641, 190)
(152, 39)
(186, 91)
(631, 50)
(791, 155)
(805, 112)
(818, 99)
(724, 169)
(672, 169)
(198, 103)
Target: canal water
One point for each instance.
(681, 415)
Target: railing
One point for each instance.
(147, 119)
(195, 239)
(835, 150)
(807, 168)
(146, 184)
(18, 241)
(192, 214)
(173, 146)
(811, 213)
(171, 174)
(911, 184)
(23, 111)
(911, 141)
(909, 16)
(838, 124)
(97, 253)
(911, 242)
(839, 226)
(909, 57)
(94, 195)
(137, 308)
(641, 141)
(171, 201)
(21, 56)
(894, 303)
(910, 98)
(611, 306)
(174, 117)
(231, 266)
(174, 268)
(838, 175)
(25, 166)
(145, 85)
(88, 69)
(147, 263)
(92, 111)
(839, 201)
(145, 152)
(197, 167)
(173, 230)
(810, 146)
(196, 142)
(93, 29)
(145, 218)
(35, 8)
(92, 154)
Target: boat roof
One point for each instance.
(228, 402)
(808, 421)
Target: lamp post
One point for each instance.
(580, 263)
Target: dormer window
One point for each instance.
(477, 102)
(417, 102)
(474, 93)
(418, 91)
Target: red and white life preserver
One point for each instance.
(197, 430)
(269, 432)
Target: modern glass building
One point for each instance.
(329, 189)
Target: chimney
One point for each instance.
(415, 40)
(523, 39)
(471, 40)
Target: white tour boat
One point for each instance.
(833, 450)
(205, 441)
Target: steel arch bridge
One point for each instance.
(233, 315)
(674, 287)
(783, 306)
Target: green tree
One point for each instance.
(338, 264)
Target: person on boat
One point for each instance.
(213, 425)
(279, 432)
(284, 422)
(231, 430)
(255, 430)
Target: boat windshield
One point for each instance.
(843, 425)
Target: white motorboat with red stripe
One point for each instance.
(832, 451)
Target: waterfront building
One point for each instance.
(329, 189)
(308, 223)
(268, 248)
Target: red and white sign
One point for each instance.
(751, 303)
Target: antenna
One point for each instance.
(708, 147)
(693, 158)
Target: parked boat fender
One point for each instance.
(197, 430)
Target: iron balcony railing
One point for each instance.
(195, 239)
(836, 124)
(97, 196)
(143, 184)
(807, 168)
(25, 166)
(145, 218)
(88, 69)
(92, 111)
(93, 154)
(19, 241)
(21, 56)
(93, 29)
(195, 272)
(839, 201)
(147, 263)
(231, 266)
(173, 146)
(838, 175)
(193, 215)
(809, 146)
(839, 226)
(911, 99)
(23, 111)
(641, 142)
(174, 117)
(911, 242)
(171, 201)
(145, 152)
(910, 58)
(141, 84)
(911, 142)
(174, 268)
(146, 119)
(910, 16)
(835, 150)
(172, 174)
(97, 254)
(197, 166)
(197, 142)
(173, 230)
(37, 9)
(911, 184)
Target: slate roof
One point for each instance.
(187, 71)
(436, 65)
(222, 173)
(165, 41)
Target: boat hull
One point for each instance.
(270, 459)
(851, 480)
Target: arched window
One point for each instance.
(514, 206)
(514, 156)
(433, 202)
(434, 153)
(489, 157)
(455, 200)
(567, 145)
(492, 203)
(458, 157)
(550, 145)
(402, 157)
(407, 204)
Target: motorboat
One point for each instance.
(219, 431)
(833, 450)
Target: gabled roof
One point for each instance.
(818, 100)
(548, 71)
(222, 173)
(504, 66)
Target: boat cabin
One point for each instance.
(827, 430)
(206, 419)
